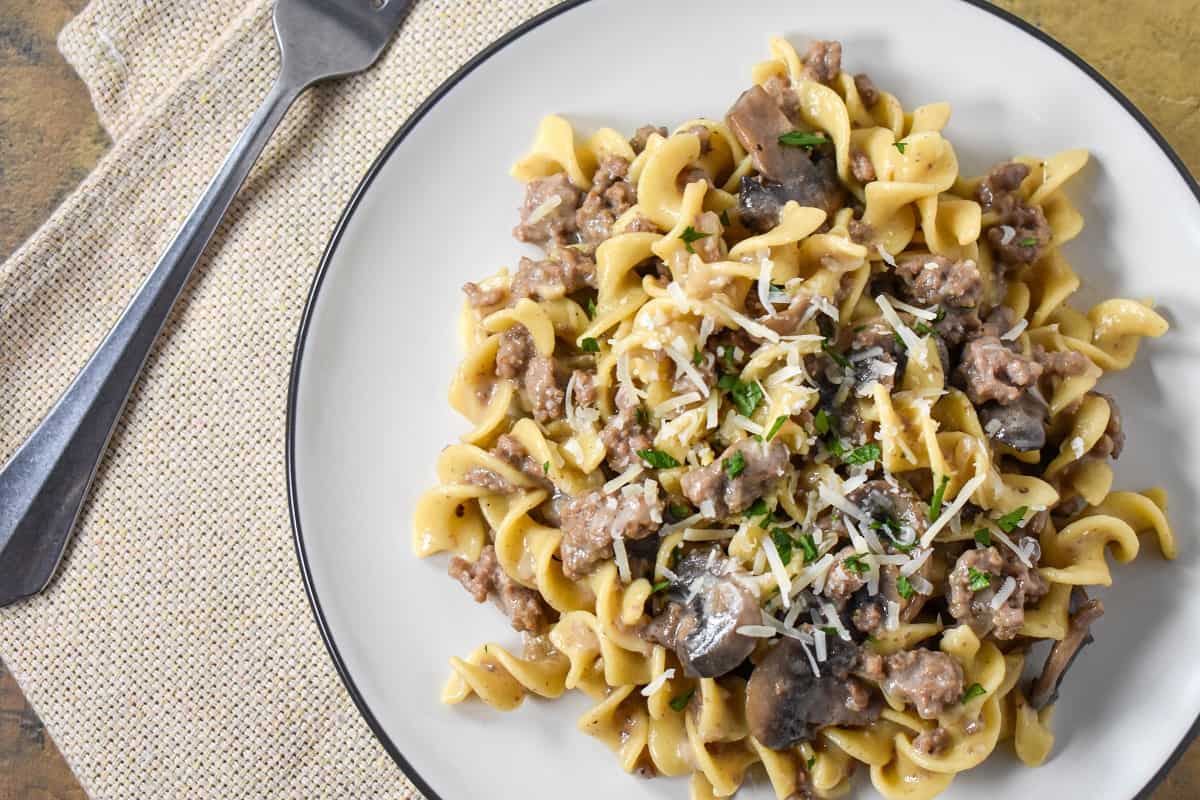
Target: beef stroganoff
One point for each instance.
(788, 448)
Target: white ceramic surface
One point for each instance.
(369, 410)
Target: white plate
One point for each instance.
(376, 352)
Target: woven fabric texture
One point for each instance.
(175, 655)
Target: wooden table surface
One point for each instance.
(50, 139)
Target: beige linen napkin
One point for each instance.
(175, 655)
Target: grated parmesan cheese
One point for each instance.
(835, 621)
(819, 644)
(885, 255)
(622, 479)
(622, 558)
(549, 204)
(673, 403)
(1007, 233)
(1077, 446)
(708, 509)
(765, 266)
(832, 497)
(1011, 545)
(748, 425)
(1015, 331)
(825, 307)
(684, 365)
(778, 570)
(916, 562)
(748, 325)
(910, 339)
(856, 538)
(916, 311)
(658, 683)
(964, 494)
(756, 631)
(893, 615)
(1004, 592)
(921, 585)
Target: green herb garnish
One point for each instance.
(757, 509)
(680, 701)
(589, 345)
(658, 459)
(591, 308)
(774, 429)
(854, 564)
(746, 396)
(836, 447)
(809, 547)
(697, 356)
(727, 357)
(735, 465)
(690, 235)
(829, 630)
(1029, 241)
(811, 760)
(904, 587)
(660, 586)
(546, 467)
(864, 454)
(941, 314)
(679, 511)
(984, 537)
(978, 580)
(939, 494)
(973, 691)
(783, 545)
(899, 341)
(1012, 520)
(923, 329)
(823, 422)
(900, 146)
(724, 217)
(837, 357)
(802, 139)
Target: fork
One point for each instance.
(44, 484)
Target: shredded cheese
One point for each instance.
(683, 364)
(1015, 331)
(832, 497)
(748, 425)
(1011, 545)
(1007, 233)
(622, 558)
(921, 585)
(885, 255)
(835, 621)
(964, 494)
(1004, 592)
(756, 631)
(819, 644)
(910, 339)
(1077, 446)
(916, 562)
(545, 207)
(748, 325)
(916, 311)
(778, 570)
(659, 681)
(669, 405)
(765, 266)
(622, 479)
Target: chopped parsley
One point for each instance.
(660, 586)
(546, 467)
(746, 396)
(984, 537)
(862, 455)
(899, 341)
(941, 314)
(774, 429)
(837, 357)
(811, 761)
(823, 422)
(854, 564)
(591, 308)
(725, 217)
(802, 139)
(809, 547)
(690, 235)
(679, 511)
(658, 459)
(900, 146)
(680, 701)
(734, 465)
(978, 580)
(828, 630)
(973, 691)
(697, 356)
(904, 587)
(1029, 241)
(923, 329)
(727, 357)
(939, 494)
(836, 447)
(885, 521)
(1012, 520)
(589, 345)
(757, 509)
(783, 545)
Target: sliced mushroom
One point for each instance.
(786, 702)
(1021, 424)
(1063, 653)
(757, 121)
(705, 608)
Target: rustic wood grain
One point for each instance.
(50, 139)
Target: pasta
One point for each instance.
(790, 446)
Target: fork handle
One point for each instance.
(44, 484)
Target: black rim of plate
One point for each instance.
(365, 184)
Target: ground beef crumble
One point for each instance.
(485, 577)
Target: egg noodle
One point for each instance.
(788, 448)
